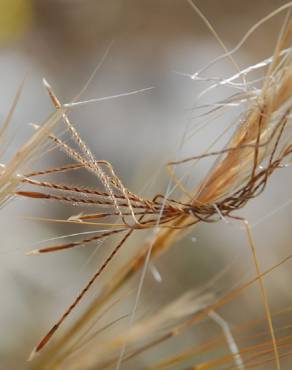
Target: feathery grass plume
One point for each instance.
(260, 145)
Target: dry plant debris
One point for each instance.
(260, 145)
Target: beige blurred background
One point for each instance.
(63, 40)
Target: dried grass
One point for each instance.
(260, 145)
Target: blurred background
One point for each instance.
(154, 43)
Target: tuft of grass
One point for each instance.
(260, 145)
